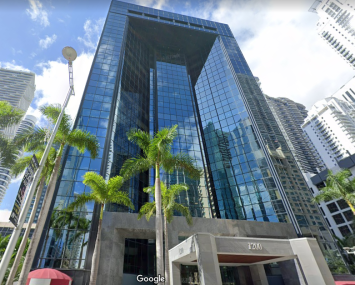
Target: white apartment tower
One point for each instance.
(336, 25)
(17, 88)
(347, 92)
(330, 126)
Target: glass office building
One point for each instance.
(154, 69)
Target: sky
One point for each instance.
(277, 37)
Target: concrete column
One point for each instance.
(258, 274)
(111, 258)
(312, 262)
(244, 275)
(207, 259)
(175, 273)
(291, 272)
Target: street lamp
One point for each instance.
(70, 54)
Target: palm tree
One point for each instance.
(3, 244)
(8, 116)
(20, 166)
(79, 139)
(170, 206)
(157, 153)
(101, 193)
(338, 186)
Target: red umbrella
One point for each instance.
(48, 276)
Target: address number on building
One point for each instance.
(254, 246)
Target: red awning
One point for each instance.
(48, 273)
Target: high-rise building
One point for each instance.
(336, 26)
(336, 212)
(346, 92)
(290, 116)
(27, 124)
(154, 69)
(17, 88)
(330, 126)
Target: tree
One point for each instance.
(79, 139)
(169, 206)
(338, 186)
(9, 116)
(101, 193)
(335, 262)
(3, 244)
(19, 167)
(156, 152)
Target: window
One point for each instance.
(342, 204)
(344, 230)
(348, 215)
(332, 207)
(338, 219)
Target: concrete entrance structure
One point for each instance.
(210, 252)
(214, 242)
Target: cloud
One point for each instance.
(47, 41)
(157, 4)
(12, 65)
(5, 215)
(92, 33)
(52, 84)
(281, 45)
(14, 51)
(37, 13)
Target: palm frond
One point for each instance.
(121, 198)
(52, 112)
(97, 184)
(21, 164)
(81, 200)
(33, 141)
(84, 141)
(135, 165)
(148, 210)
(327, 194)
(162, 142)
(184, 211)
(114, 184)
(9, 115)
(140, 138)
(8, 152)
(184, 162)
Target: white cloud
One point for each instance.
(14, 51)
(281, 45)
(52, 84)
(157, 4)
(12, 65)
(5, 215)
(47, 41)
(37, 13)
(92, 33)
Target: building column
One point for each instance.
(175, 273)
(291, 272)
(258, 274)
(312, 262)
(207, 259)
(243, 275)
(111, 257)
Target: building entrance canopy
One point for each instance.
(210, 252)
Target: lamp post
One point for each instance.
(70, 54)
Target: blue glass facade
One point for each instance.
(155, 69)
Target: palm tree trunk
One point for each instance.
(351, 206)
(41, 222)
(22, 247)
(167, 280)
(96, 254)
(158, 225)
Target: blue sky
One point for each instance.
(277, 37)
